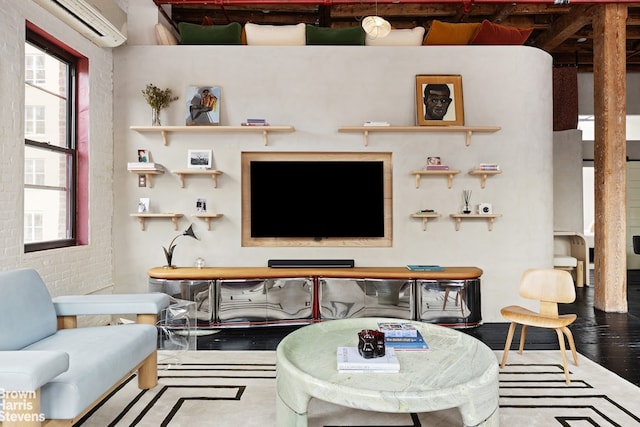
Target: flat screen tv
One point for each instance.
(317, 199)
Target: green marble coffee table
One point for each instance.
(458, 372)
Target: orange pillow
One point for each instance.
(444, 33)
(490, 33)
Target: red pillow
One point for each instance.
(490, 33)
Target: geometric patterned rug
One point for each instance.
(237, 389)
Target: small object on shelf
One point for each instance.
(255, 122)
(466, 195)
(158, 99)
(201, 205)
(374, 123)
(199, 159)
(489, 167)
(433, 161)
(143, 166)
(349, 361)
(200, 262)
(143, 156)
(424, 267)
(485, 208)
(143, 205)
(427, 211)
(168, 253)
(437, 167)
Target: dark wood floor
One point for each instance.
(610, 339)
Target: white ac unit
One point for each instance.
(101, 21)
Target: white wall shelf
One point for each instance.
(483, 174)
(206, 217)
(489, 217)
(466, 130)
(425, 217)
(166, 130)
(148, 173)
(182, 173)
(142, 217)
(448, 173)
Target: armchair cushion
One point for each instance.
(403, 37)
(27, 311)
(275, 35)
(28, 371)
(120, 348)
(80, 305)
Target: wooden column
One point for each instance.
(609, 76)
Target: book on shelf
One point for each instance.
(424, 267)
(398, 329)
(489, 167)
(254, 124)
(142, 165)
(416, 343)
(437, 167)
(374, 123)
(349, 360)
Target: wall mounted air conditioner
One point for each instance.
(101, 21)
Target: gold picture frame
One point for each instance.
(439, 100)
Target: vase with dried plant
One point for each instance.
(158, 99)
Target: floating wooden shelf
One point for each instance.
(207, 218)
(448, 173)
(489, 217)
(425, 217)
(182, 173)
(142, 217)
(148, 173)
(483, 174)
(166, 130)
(467, 130)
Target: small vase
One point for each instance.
(466, 209)
(155, 117)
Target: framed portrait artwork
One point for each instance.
(439, 100)
(203, 106)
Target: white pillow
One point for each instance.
(275, 35)
(164, 36)
(408, 37)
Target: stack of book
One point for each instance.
(372, 123)
(437, 167)
(142, 166)
(255, 122)
(489, 167)
(349, 360)
(401, 336)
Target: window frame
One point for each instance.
(75, 148)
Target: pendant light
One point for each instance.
(376, 26)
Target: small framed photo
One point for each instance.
(143, 205)
(439, 100)
(143, 156)
(199, 159)
(201, 205)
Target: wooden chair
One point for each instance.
(550, 287)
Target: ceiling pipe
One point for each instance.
(396, 2)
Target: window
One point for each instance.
(51, 169)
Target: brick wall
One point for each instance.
(77, 270)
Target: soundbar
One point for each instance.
(311, 263)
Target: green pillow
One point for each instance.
(335, 36)
(210, 34)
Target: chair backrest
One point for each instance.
(550, 287)
(26, 310)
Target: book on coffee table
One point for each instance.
(416, 343)
(349, 360)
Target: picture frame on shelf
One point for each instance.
(144, 156)
(203, 106)
(201, 205)
(143, 205)
(439, 100)
(199, 159)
